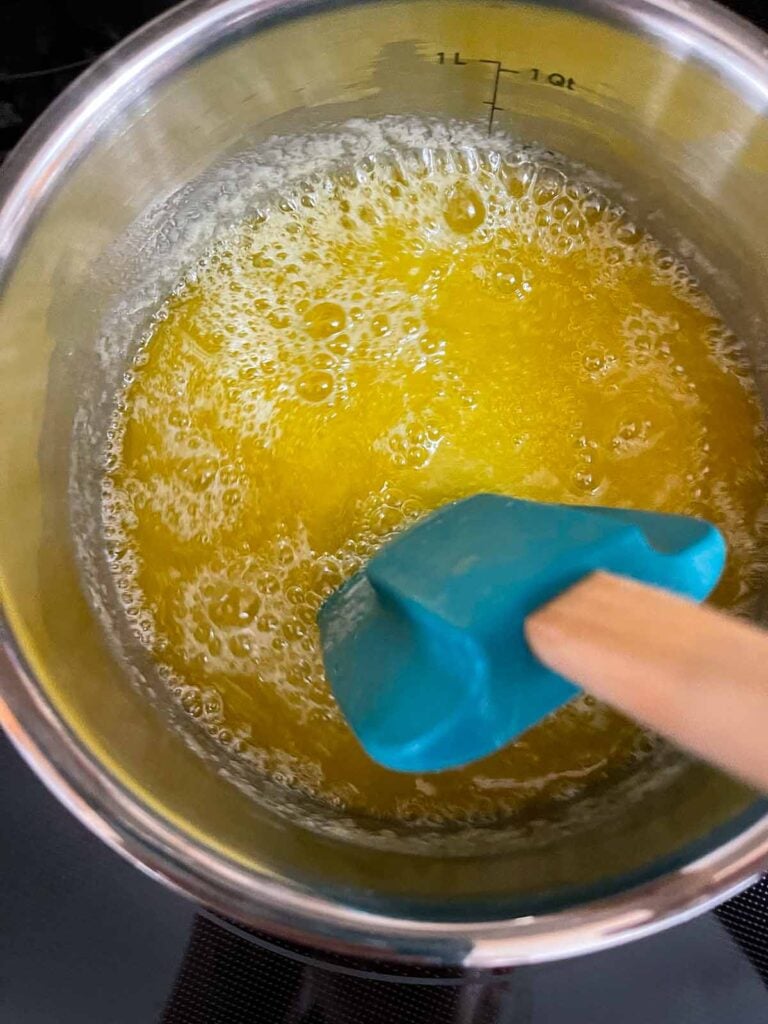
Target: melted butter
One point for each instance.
(373, 345)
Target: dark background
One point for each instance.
(84, 937)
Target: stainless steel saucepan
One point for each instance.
(669, 98)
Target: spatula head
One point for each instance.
(424, 648)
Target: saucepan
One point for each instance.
(100, 210)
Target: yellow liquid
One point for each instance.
(372, 346)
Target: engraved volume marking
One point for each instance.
(553, 78)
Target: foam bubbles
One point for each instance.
(382, 336)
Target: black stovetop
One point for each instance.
(87, 939)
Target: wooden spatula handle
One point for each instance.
(694, 674)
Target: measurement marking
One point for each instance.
(496, 79)
(554, 78)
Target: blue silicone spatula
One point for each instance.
(430, 651)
